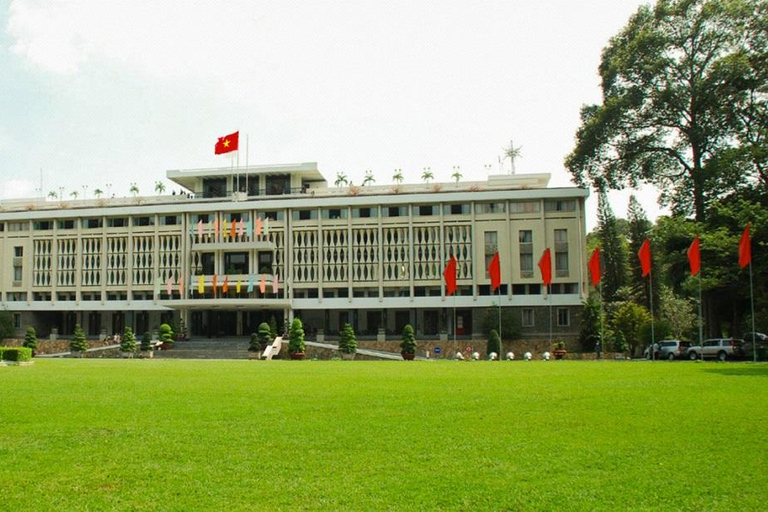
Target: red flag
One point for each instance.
(226, 143)
(545, 265)
(494, 269)
(645, 257)
(694, 256)
(450, 276)
(594, 267)
(745, 249)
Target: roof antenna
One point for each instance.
(512, 153)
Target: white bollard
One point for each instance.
(527, 356)
(510, 356)
(545, 356)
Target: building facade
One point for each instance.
(234, 249)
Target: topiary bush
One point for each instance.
(30, 339)
(263, 336)
(166, 334)
(408, 345)
(18, 354)
(347, 341)
(78, 343)
(296, 337)
(146, 342)
(128, 342)
(494, 343)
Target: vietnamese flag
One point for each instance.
(644, 254)
(494, 269)
(745, 249)
(226, 143)
(450, 276)
(545, 265)
(594, 267)
(694, 256)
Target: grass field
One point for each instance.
(244, 435)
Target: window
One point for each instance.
(426, 210)
(564, 288)
(563, 317)
(395, 211)
(491, 207)
(335, 213)
(273, 215)
(304, 214)
(42, 225)
(528, 320)
(364, 213)
(143, 221)
(561, 252)
(93, 223)
(201, 217)
(207, 263)
(236, 263)
(214, 187)
(525, 239)
(117, 222)
(18, 226)
(66, 224)
(278, 184)
(524, 206)
(456, 209)
(568, 205)
(491, 248)
(17, 321)
(18, 251)
(17, 272)
(169, 220)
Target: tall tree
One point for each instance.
(665, 118)
(614, 249)
(639, 230)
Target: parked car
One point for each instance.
(669, 349)
(720, 348)
(756, 339)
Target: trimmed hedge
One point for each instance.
(19, 354)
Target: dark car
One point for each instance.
(757, 340)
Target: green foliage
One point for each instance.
(146, 342)
(494, 343)
(273, 327)
(680, 106)
(680, 314)
(165, 333)
(260, 339)
(30, 339)
(408, 343)
(629, 318)
(662, 330)
(128, 341)
(639, 230)
(347, 341)
(510, 323)
(614, 250)
(78, 343)
(6, 325)
(620, 344)
(296, 337)
(18, 354)
(591, 323)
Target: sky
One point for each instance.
(107, 94)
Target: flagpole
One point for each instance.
(501, 342)
(653, 334)
(549, 298)
(752, 304)
(701, 322)
(454, 318)
(602, 334)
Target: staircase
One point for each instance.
(204, 348)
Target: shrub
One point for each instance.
(77, 343)
(408, 345)
(272, 327)
(6, 325)
(146, 342)
(166, 334)
(494, 343)
(261, 338)
(510, 323)
(347, 341)
(30, 339)
(296, 337)
(128, 342)
(19, 354)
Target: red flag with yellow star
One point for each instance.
(226, 143)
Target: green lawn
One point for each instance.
(244, 435)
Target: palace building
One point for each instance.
(237, 248)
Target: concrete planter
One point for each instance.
(147, 354)
(347, 357)
(127, 355)
(77, 354)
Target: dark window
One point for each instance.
(305, 214)
(426, 211)
(206, 260)
(236, 262)
(18, 251)
(143, 221)
(92, 223)
(171, 220)
(214, 187)
(118, 222)
(278, 185)
(66, 224)
(42, 225)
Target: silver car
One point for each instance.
(720, 348)
(668, 349)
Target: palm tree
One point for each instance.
(74, 194)
(398, 176)
(341, 179)
(369, 177)
(457, 174)
(98, 192)
(52, 194)
(134, 190)
(159, 187)
(427, 175)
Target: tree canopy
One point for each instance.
(685, 86)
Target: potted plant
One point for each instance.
(347, 342)
(259, 340)
(408, 345)
(559, 350)
(494, 343)
(30, 340)
(147, 350)
(296, 340)
(166, 336)
(78, 345)
(128, 343)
